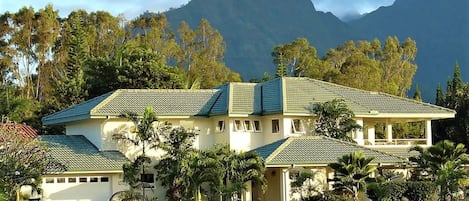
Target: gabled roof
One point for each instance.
(166, 102)
(78, 154)
(317, 151)
(22, 129)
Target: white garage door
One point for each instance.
(84, 188)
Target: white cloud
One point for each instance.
(344, 8)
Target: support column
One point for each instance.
(371, 134)
(359, 133)
(285, 185)
(388, 132)
(428, 131)
(247, 194)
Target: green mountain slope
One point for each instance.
(252, 28)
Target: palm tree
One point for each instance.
(351, 172)
(145, 133)
(236, 169)
(442, 163)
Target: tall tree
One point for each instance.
(202, 52)
(71, 87)
(299, 58)
(23, 43)
(47, 32)
(334, 119)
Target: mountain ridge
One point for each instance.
(252, 29)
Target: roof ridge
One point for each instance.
(279, 149)
(74, 106)
(105, 101)
(167, 90)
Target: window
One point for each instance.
(247, 125)
(221, 126)
(72, 180)
(49, 180)
(93, 179)
(297, 126)
(238, 126)
(104, 179)
(61, 180)
(83, 179)
(257, 126)
(148, 180)
(275, 126)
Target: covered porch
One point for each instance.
(383, 132)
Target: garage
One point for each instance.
(76, 188)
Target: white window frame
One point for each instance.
(248, 125)
(221, 126)
(238, 125)
(276, 129)
(301, 126)
(257, 128)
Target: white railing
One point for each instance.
(411, 141)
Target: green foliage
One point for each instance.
(396, 191)
(144, 133)
(334, 119)
(328, 196)
(443, 164)
(22, 162)
(351, 172)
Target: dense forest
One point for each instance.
(48, 63)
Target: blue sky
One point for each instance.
(133, 8)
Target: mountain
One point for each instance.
(440, 29)
(252, 28)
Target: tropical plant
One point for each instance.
(144, 133)
(351, 172)
(334, 119)
(443, 164)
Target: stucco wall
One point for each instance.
(91, 129)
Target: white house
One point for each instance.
(270, 117)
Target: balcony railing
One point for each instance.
(409, 142)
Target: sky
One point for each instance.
(133, 8)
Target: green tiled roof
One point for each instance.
(166, 102)
(317, 150)
(399, 151)
(78, 154)
(287, 95)
(300, 92)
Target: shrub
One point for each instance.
(422, 191)
(397, 191)
(329, 196)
